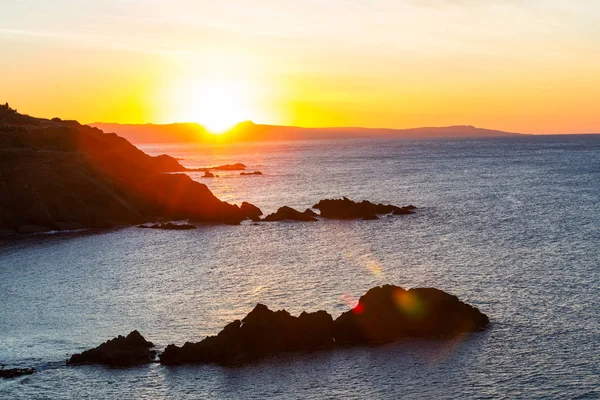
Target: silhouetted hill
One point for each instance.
(154, 133)
(57, 174)
(249, 131)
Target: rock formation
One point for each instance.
(388, 313)
(229, 167)
(58, 174)
(251, 173)
(251, 211)
(384, 314)
(289, 214)
(347, 209)
(261, 333)
(120, 351)
(15, 372)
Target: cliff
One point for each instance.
(57, 174)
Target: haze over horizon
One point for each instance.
(516, 66)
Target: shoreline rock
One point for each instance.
(61, 175)
(251, 173)
(118, 352)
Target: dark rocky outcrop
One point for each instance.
(289, 214)
(384, 314)
(388, 313)
(15, 372)
(310, 213)
(169, 226)
(251, 173)
(251, 211)
(58, 174)
(208, 174)
(347, 209)
(261, 333)
(230, 167)
(119, 352)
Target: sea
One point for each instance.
(510, 225)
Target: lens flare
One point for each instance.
(409, 303)
(356, 306)
(374, 267)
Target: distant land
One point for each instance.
(249, 131)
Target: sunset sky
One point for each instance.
(528, 66)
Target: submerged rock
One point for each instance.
(261, 333)
(120, 351)
(388, 313)
(15, 372)
(347, 209)
(251, 173)
(289, 214)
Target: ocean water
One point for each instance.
(510, 225)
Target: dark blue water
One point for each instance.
(509, 225)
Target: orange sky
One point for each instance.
(523, 66)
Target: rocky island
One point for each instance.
(121, 351)
(345, 208)
(339, 209)
(384, 314)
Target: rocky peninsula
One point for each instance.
(57, 175)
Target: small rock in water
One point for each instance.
(289, 214)
(15, 372)
(120, 351)
(347, 209)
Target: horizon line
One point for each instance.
(338, 127)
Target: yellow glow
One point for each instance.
(217, 104)
(409, 303)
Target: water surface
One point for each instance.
(510, 225)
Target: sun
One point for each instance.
(216, 104)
